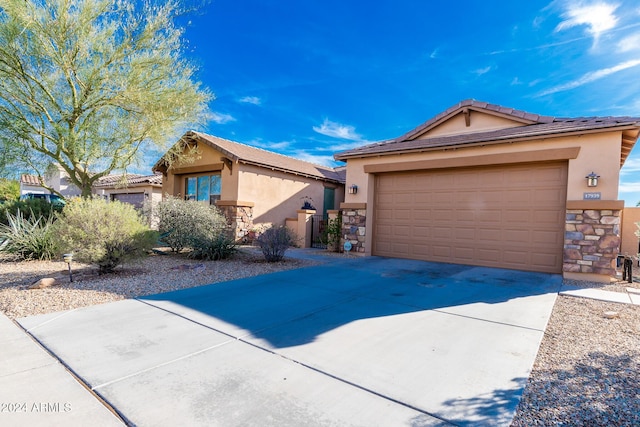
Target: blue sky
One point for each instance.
(310, 78)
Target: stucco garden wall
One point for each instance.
(278, 195)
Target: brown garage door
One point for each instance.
(500, 216)
(135, 199)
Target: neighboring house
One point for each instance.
(31, 184)
(252, 186)
(130, 188)
(55, 177)
(485, 185)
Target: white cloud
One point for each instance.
(272, 146)
(323, 160)
(481, 71)
(222, 118)
(630, 43)
(631, 165)
(516, 81)
(598, 17)
(250, 100)
(434, 53)
(592, 76)
(337, 130)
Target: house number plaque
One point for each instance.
(591, 196)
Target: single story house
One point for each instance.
(486, 185)
(250, 185)
(130, 188)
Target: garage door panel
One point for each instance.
(135, 199)
(444, 252)
(490, 256)
(501, 216)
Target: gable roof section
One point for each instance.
(473, 105)
(534, 126)
(247, 154)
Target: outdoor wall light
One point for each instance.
(68, 258)
(353, 189)
(592, 179)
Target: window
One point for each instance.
(204, 188)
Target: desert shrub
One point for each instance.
(212, 248)
(275, 241)
(30, 209)
(102, 233)
(183, 223)
(28, 237)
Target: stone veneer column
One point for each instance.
(592, 237)
(354, 230)
(239, 217)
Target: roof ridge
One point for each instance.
(264, 150)
(521, 115)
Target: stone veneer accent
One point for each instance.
(354, 216)
(239, 217)
(592, 241)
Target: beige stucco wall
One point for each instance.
(207, 161)
(630, 216)
(480, 122)
(278, 195)
(597, 152)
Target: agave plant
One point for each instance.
(28, 238)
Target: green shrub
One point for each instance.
(275, 241)
(332, 234)
(27, 237)
(31, 209)
(183, 223)
(213, 248)
(102, 233)
(9, 190)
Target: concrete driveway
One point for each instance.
(358, 342)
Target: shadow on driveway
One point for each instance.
(363, 288)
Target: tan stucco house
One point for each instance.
(130, 188)
(486, 185)
(252, 186)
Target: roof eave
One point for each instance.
(489, 141)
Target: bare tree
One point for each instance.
(91, 84)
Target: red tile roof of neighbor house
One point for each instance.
(127, 180)
(247, 154)
(29, 180)
(533, 126)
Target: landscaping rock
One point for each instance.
(45, 282)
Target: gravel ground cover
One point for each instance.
(587, 371)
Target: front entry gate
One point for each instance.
(318, 233)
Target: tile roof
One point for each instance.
(247, 154)
(30, 180)
(129, 180)
(534, 126)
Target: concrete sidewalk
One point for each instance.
(36, 390)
